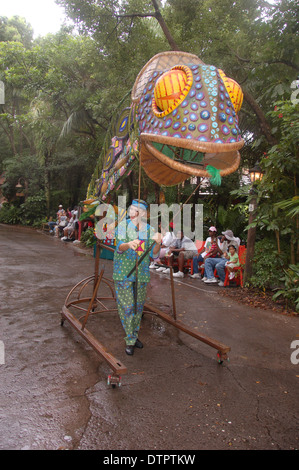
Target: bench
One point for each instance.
(45, 227)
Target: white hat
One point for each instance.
(228, 235)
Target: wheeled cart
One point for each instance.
(85, 299)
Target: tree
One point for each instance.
(16, 64)
(280, 182)
(44, 86)
(16, 29)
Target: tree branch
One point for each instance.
(269, 62)
(266, 129)
(164, 27)
(157, 14)
(136, 15)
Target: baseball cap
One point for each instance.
(212, 229)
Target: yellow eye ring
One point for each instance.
(171, 89)
(233, 89)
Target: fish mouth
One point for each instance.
(170, 160)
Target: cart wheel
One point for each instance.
(221, 357)
(114, 380)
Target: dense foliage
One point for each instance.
(61, 91)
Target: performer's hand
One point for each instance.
(133, 244)
(158, 238)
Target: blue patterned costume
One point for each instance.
(130, 315)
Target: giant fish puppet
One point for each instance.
(182, 122)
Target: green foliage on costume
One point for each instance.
(215, 175)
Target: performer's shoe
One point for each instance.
(129, 350)
(138, 344)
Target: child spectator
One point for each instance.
(233, 260)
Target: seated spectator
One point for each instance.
(69, 213)
(209, 250)
(76, 222)
(52, 223)
(219, 264)
(70, 232)
(61, 224)
(167, 240)
(182, 248)
(233, 260)
(86, 223)
(60, 210)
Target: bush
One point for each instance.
(10, 214)
(290, 289)
(88, 237)
(33, 209)
(31, 212)
(268, 265)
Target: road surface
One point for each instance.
(175, 396)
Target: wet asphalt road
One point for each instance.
(175, 396)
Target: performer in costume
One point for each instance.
(133, 238)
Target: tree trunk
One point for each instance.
(47, 181)
(293, 255)
(164, 27)
(277, 241)
(265, 128)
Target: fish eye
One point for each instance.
(171, 89)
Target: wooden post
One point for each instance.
(250, 237)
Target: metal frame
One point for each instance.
(76, 301)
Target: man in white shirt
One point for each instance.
(182, 248)
(211, 264)
(167, 240)
(200, 258)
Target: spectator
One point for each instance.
(76, 222)
(233, 260)
(167, 240)
(68, 230)
(60, 210)
(182, 248)
(219, 264)
(61, 223)
(206, 252)
(52, 224)
(69, 213)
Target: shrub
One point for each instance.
(267, 265)
(31, 212)
(33, 209)
(88, 237)
(10, 214)
(290, 289)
